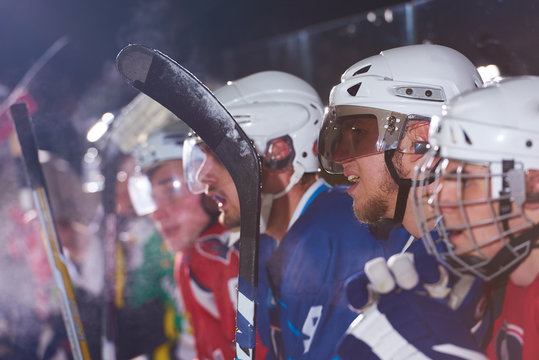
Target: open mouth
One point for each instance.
(453, 235)
(353, 178)
(219, 200)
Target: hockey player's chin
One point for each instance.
(370, 210)
(229, 220)
(352, 189)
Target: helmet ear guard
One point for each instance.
(419, 126)
(279, 153)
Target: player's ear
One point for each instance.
(416, 138)
(419, 133)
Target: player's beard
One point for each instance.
(376, 206)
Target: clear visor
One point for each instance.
(279, 154)
(140, 193)
(193, 159)
(353, 131)
(164, 188)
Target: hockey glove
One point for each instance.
(408, 312)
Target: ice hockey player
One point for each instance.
(206, 267)
(375, 132)
(145, 293)
(311, 241)
(487, 194)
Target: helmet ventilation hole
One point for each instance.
(467, 138)
(354, 89)
(529, 143)
(304, 154)
(363, 70)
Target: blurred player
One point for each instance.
(206, 267)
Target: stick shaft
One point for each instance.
(23, 127)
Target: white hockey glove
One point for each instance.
(410, 311)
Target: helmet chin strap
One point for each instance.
(507, 259)
(403, 184)
(299, 170)
(267, 198)
(521, 244)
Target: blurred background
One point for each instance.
(222, 40)
(70, 87)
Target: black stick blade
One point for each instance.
(174, 87)
(25, 134)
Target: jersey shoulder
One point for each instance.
(214, 244)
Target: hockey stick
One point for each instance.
(174, 87)
(25, 134)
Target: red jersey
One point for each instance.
(516, 331)
(208, 280)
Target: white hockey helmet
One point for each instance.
(163, 144)
(497, 127)
(271, 104)
(370, 109)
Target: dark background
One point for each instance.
(98, 29)
(80, 82)
(222, 40)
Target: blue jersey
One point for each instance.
(266, 312)
(308, 311)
